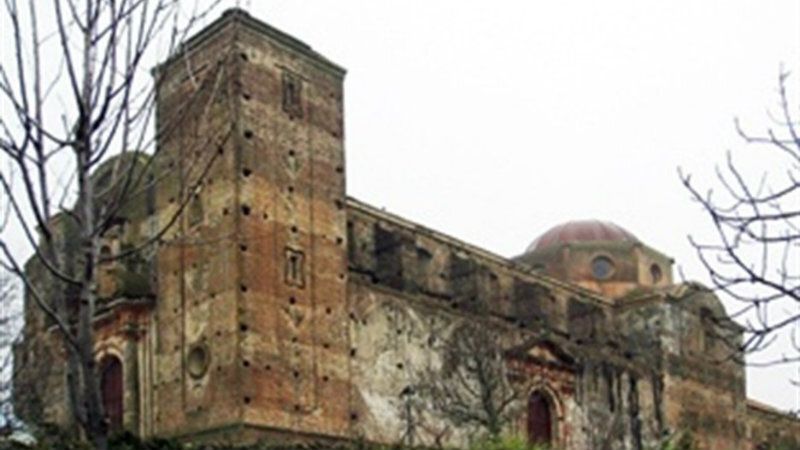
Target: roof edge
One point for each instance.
(769, 409)
(240, 16)
(521, 268)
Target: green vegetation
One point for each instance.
(507, 443)
(54, 439)
(679, 441)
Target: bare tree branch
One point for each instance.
(72, 175)
(471, 387)
(755, 256)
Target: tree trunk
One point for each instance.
(96, 427)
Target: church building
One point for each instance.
(277, 307)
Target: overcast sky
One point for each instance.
(493, 121)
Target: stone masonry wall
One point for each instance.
(291, 240)
(409, 287)
(198, 276)
(250, 318)
(769, 429)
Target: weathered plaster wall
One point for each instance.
(769, 429)
(620, 406)
(391, 252)
(704, 386)
(409, 287)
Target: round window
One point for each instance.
(655, 273)
(602, 267)
(197, 361)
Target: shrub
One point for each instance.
(679, 441)
(506, 443)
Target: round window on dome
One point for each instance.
(655, 273)
(602, 267)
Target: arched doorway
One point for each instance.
(540, 419)
(111, 388)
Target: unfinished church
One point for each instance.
(277, 307)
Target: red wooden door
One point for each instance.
(111, 389)
(540, 423)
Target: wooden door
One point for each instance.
(111, 388)
(540, 422)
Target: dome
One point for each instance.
(581, 231)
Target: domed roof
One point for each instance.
(581, 231)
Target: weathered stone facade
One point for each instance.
(279, 307)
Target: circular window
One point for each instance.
(602, 267)
(197, 361)
(655, 273)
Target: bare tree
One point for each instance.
(78, 100)
(9, 330)
(472, 388)
(755, 256)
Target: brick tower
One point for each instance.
(250, 329)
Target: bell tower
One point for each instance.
(251, 316)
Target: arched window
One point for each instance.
(540, 419)
(111, 388)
